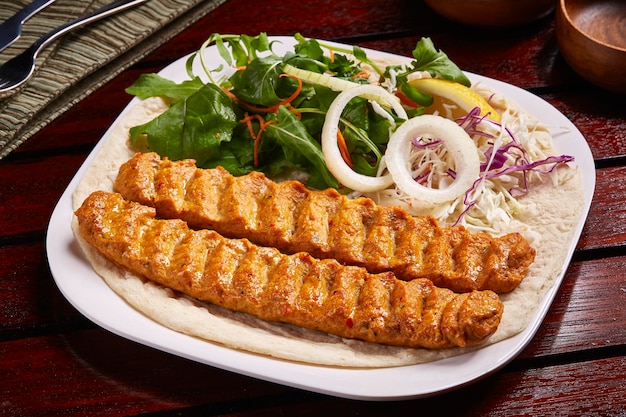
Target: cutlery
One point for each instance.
(18, 70)
(11, 29)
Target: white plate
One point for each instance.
(92, 297)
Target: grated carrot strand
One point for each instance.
(343, 149)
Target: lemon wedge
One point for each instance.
(453, 100)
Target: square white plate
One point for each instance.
(89, 294)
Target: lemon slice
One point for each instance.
(453, 100)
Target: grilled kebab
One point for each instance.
(322, 295)
(292, 218)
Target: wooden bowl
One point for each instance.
(493, 13)
(592, 38)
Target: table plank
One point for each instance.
(527, 57)
(76, 373)
(33, 188)
(600, 119)
(532, 49)
(582, 317)
(589, 295)
(93, 373)
(326, 19)
(31, 302)
(585, 314)
(606, 225)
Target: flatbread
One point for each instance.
(545, 221)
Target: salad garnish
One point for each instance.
(344, 121)
(285, 114)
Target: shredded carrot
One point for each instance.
(343, 148)
(248, 118)
(295, 94)
(247, 105)
(331, 54)
(270, 109)
(257, 140)
(361, 74)
(256, 135)
(248, 121)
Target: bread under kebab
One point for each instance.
(288, 216)
(322, 295)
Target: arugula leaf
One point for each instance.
(243, 48)
(363, 166)
(153, 85)
(300, 149)
(193, 127)
(258, 82)
(427, 58)
(236, 155)
(366, 134)
(309, 48)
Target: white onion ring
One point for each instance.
(336, 165)
(459, 145)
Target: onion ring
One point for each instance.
(459, 145)
(336, 165)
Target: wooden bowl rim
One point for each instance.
(569, 20)
(540, 10)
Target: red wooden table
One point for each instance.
(53, 361)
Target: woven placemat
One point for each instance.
(76, 65)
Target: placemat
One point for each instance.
(80, 62)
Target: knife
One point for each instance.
(11, 29)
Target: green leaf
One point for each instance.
(258, 82)
(153, 85)
(363, 166)
(364, 131)
(300, 149)
(343, 67)
(191, 128)
(255, 44)
(239, 52)
(236, 156)
(360, 54)
(437, 63)
(221, 49)
(309, 48)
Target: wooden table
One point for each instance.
(53, 361)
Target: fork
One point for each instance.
(11, 29)
(18, 70)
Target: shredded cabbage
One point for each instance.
(513, 154)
